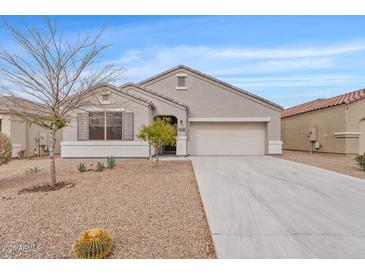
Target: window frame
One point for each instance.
(105, 126)
(104, 123)
(180, 76)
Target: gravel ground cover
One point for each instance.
(335, 162)
(151, 212)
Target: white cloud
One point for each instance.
(280, 53)
(142, 63)
(236, 65)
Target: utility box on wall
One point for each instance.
(43, 139)
(313, 134)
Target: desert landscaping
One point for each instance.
(335, 162)
(151, 212)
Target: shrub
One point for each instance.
(95, 243)
(360, 161)
(160, 132)
(100, 167)
(22, 154)
(5, 149)
(111, 162)
(82, 167)
(32, 170)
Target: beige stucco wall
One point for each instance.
(354, 114)
(328, 121)
(163, 106)
(35, 131)
(207, 98)
(344, 119)
(5, 124)
(23, 134)
(118, 102)
(18, 129)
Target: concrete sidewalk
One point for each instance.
(264, 207)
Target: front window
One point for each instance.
(97, 126)
(114, 126)
(105, 126)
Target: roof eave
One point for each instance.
(279, 107)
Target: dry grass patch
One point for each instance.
(151, 212)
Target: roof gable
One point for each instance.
(119, 90)
(317, 104)
(211, 78)
(154, 93)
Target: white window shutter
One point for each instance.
(128, 126)
(83, 126)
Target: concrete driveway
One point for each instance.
(264, 207)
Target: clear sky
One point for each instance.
(286, 59)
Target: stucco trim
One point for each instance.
(275, 147)
(97, 149)
(243, 119)
(347, 134)
(104, 143)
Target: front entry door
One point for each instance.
(169, 149)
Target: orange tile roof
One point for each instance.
(317, 104)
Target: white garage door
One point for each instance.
(226, 138)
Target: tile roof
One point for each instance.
(317, 104)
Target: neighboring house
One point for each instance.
(31, 139)
(335, 125)
(211, 117)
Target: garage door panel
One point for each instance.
(209, 138)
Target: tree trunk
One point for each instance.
(157, 154)
(149, 151)
(52, 157)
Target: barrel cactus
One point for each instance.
(5, 149)
(94, 243)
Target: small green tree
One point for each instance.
(5, 149)
(160, 132)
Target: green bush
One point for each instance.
(5, 149)
(100, 167)
(111, 162)
(360, 161)
(82, 167)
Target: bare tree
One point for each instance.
(51, 77)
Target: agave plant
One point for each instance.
(111, 162)
(81, 167)
(100, 167)
(32, 170)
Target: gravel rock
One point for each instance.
(151, 212)
(335, 162)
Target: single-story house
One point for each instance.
(212, 118)
(334, 125)
(29, 138)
